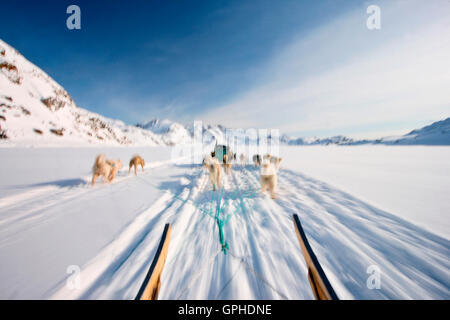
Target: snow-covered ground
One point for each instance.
(51, 219)
(412, 182)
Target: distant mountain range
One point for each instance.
(37, 111)
(437, 133)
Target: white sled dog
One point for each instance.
(268, 176)
(105, 168)
(211, 163)
(243, 160)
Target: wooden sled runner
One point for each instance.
(152, 282)
(318, 280)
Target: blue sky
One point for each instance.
(304, 67)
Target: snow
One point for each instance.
(51, 219)
(409, 181)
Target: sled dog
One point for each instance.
(212, 164)
(276, 161)
(268, 176)
(257, 160)
(227, 163)
(134, 162)
(105, 168)
(243, 160)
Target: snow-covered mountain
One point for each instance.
(437, 133)
(340, 140)
(177, 133)
(172, 133)
(35, 110)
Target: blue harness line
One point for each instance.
(221, 223)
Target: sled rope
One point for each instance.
(220, 223)
(241, 198)
(224, 244)
(257, 275)
(229, 281)
(196, 275)
(241, 259)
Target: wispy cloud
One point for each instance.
(343, 76)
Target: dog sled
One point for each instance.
(319, 282)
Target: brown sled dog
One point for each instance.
(135, 161)
(105, 168)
